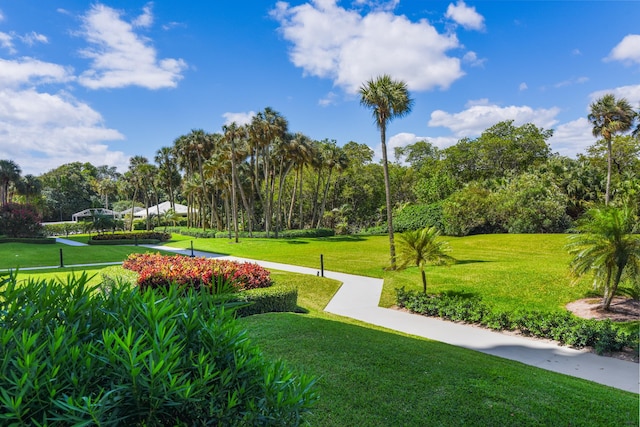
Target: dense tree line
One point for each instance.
(263, 177)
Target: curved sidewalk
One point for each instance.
(358, 298)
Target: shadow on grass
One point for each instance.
(342, 239)
(461, 294)
(295, 242)
(469, 261)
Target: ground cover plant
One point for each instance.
(73, 355)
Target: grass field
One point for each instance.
(510, 271)
(368, 376)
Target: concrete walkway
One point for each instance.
(358, 298)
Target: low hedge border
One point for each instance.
(563, 327)
(124, 242)
(37, 241)
(276, 298)
(285, 234)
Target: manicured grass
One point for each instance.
(369, 377)
(373, 377)
(21, 255)
(509, 271)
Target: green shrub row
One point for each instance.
(123, 242)
(148, 235)
(563, 327)
(73, 355)
(65, 228)
(195, 232)
(417, 217)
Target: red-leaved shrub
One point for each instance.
(155, 270)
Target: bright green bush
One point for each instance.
(276, 298)
(563, 327)
(416, 217)
(63, 228)
(73, 355)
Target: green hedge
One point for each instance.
(276, 298)
(563, 327)
(285, 234)
(124, 242)
(72, 355)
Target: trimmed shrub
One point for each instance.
(157, 270)
(563, 327)
(75, 356)
(63, 229)
(276, 298)
(149, 235)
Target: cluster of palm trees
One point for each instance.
(247, 177)
(11, 179)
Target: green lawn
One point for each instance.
(22, 255)
(509, 271)
(374, 377)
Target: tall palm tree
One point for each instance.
(387, 99)
(610, 116)
(9, 173)
(29, 186)
(606, 245)
(421, 248)
(168, 174)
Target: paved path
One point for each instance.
(358, 298)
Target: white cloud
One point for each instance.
(41, 131)
(523, 86)
(572, 138)
(476, 118)
(6, 42)
(120, 57)
(145, 20)
(332, 42)
(472, 59)
(239, 118)
(628, 50)
(33, 38)
(330, 99)
(465, 16)
(631, 93)
(571, 81)
(28, 71)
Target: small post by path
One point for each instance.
(321, 265)
(192, 255)
(61, 260)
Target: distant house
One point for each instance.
(162, 208)
(91, 212)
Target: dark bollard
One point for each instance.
(61, 260)
(192, 255)
(321, 265)
(136, 240)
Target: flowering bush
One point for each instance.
(17, 220)
(155, 270)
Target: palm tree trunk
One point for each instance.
(610, 289)
(387, 192)
(609, 161)
(324, 199)
(424, 279)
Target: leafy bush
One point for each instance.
(416, 217)
(563, 327)
(17, 220)
(73, 355)
(157, 270)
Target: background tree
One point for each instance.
(387, 99)
(9, 174)
(606, 245)
(420, 248)
(610, 116)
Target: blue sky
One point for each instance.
(104, 81)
